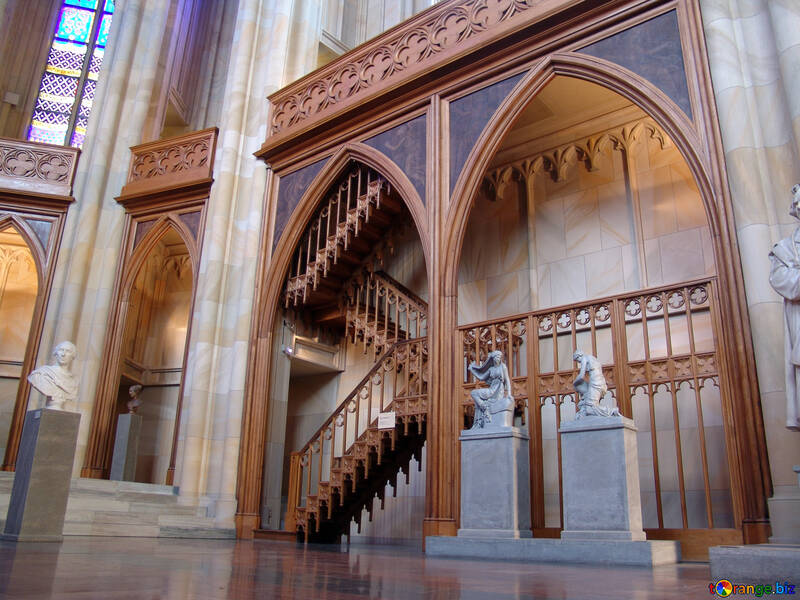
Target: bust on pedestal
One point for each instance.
(126, 442)
(46, 453)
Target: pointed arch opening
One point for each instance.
(585, 218)
(350, 300)
(20, 286)
(157, 297)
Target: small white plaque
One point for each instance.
(386, 420)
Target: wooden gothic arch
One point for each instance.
(746, 442)
(270, 280)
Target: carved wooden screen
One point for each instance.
(659, 354)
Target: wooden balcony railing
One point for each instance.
(380, 311)
(658, 348)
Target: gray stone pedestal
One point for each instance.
(778, 561)
(600, 474)
(495, 483)
(126, 448)
(42, 479)
(602, 507)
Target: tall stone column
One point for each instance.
(209, 436)
(89, 253)
(751, 46)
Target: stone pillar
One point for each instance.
(753, 47)
(44, 471)
(601, 493)
(211, 420)
(495, 488)
(126, 448)
(85, 272)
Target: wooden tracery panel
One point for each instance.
(659, 353)
(35, 192)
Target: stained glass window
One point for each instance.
(73, 65)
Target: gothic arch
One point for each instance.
(746, 442)
(39, 256)
(308, 203)
(639, 91)
(255, 414)
(146, 245)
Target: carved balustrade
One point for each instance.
(659, 356)
(329, 463)
(380, 311)
(331, 230)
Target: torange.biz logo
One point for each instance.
(725, 588)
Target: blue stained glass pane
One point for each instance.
(109, 6)
(75, 24)
(91, 4)
(66, 58)
(102, 33)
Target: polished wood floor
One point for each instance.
(140, 568)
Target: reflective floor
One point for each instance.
(141, 568)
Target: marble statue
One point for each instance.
(134, 403)
(591, 391)
(57, 381)
(495, 399)
(784, 276)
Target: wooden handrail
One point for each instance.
(386, 369)
(565, 307)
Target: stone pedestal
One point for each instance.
(42, 479)
(495, 483)
(126, 448)
(778, 561)
(600, 475)
(602, 507)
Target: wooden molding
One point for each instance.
(168, 187)
(37, 169)
(35, 192)
(446, 31)
(170, 164)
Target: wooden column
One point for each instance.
(444, 406)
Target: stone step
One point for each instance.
(99, 507)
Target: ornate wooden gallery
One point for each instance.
(165, 204)
(441, 124)
(35, 193)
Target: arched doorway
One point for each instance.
(153, 348)
(348, 341)
(19, 289)
(609, 244)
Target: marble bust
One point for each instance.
(494, 400)
(591, 391)
(56, 381)
(134, 403)
(784, 276)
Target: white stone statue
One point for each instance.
(592, 391)
(134, 403)
(57, 381)
(784, 276)
(496, 399)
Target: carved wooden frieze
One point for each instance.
(171, 163)
(589, 151)
(433, 37)
(36, 168)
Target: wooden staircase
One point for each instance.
(334, 281)
(349, 460)
(349, 229)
